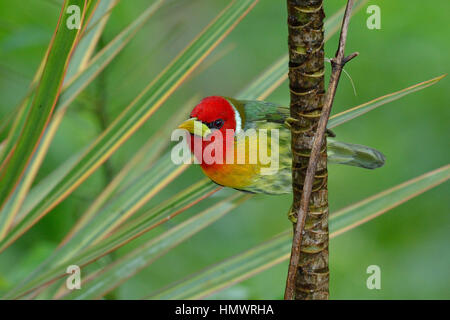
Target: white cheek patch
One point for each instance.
(237, 118)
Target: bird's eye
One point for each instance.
(218, 123)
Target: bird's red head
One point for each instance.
(216, 116)
(217, 113)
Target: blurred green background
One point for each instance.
(410, 243)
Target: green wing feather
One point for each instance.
(354, 155)
(262, 111)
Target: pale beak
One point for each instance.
(195, 127)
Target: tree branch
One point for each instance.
(337, 64)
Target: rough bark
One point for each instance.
(306, 77)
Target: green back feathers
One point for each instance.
(253, 110)
(265, 111)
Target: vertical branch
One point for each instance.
(306, 77)
(308, 267)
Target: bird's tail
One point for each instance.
(354, 155)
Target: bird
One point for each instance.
(222, 115)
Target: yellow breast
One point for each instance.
(244, 170)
